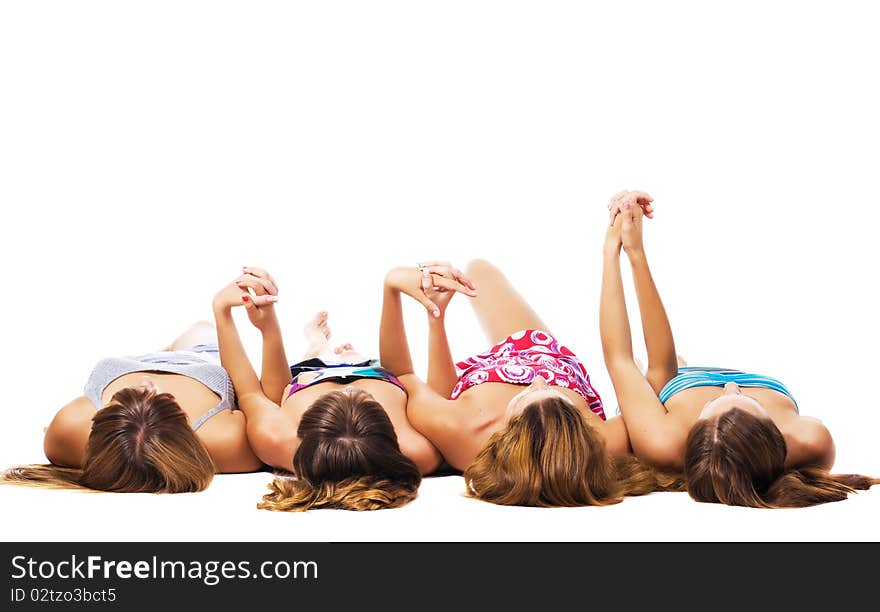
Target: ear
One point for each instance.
(809, 445)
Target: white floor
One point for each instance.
(227, 512)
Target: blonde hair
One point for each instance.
(140, 442)
(348, 458)
(738, 459)
(549, 455)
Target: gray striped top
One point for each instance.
(201, 364)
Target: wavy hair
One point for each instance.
(738, 459)
(140, 442)
(348, 459)
(548, 455)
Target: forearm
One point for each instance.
(659, 342)
(441, 368)
(275, 371)
(393, 346)
(233, 357)
(613, 320)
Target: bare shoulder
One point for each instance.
(274, 439)
(67, 434)
(225, 437)
(667, 445)
(809, 443)
(418, 448)
(614, 432)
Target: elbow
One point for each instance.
(429, 462)
(426, 457)
(271, 446)
(660, 454)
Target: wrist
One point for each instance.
(221, 309)
(636, 254)
(612, 248)
(270, 324)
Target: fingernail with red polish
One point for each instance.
(245, 298)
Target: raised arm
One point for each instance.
(441, 368)
(432, 285)
(654, 436)
(430, 413)
(275, 370)
(394, 353)
(269, 430)
(662, 357)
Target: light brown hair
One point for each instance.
(738, 459)
(140, 442)
(348, 458)
(548, 455)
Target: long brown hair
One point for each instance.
(738, 459)
(348, 458)
(140, 442)
(548, 455)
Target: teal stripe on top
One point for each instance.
(690, 377)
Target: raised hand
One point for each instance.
(631, 227)
(256, 290)
(640, 198)
(431, 284)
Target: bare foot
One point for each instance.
(343, 348)
(346, 354)
(317, 334)
(200, 332)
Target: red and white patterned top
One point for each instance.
(521, 357)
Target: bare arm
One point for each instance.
(230, 447)
(432, 415)
(275, 371)
(394, 350)
(662, 358)
(616, 437)
(394, 353)
(428, 412)
(269, 430)
(234, 359)
(655, 437)
(441, 367)
(417, 447)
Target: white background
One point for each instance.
(149, 150)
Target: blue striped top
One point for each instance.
(689, 377)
